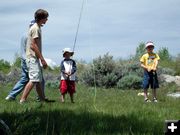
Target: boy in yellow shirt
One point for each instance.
(149, 62)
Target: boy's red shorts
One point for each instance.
(67, 86)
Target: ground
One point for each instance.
(104, 112)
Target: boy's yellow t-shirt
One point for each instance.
(149, 60)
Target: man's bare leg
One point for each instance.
(27, 90)
(39, 91)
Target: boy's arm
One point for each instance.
(143, 66)
(34, 47)
(142, 59)
(73, 67)
(155, 65)
(63, 69)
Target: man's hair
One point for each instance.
(40, 14)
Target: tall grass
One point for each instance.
(114, 112)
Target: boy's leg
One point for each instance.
(63, 98)
(35, 77)
(72, 98)
(27, 90)
(154, 93)
(71, 88)
(63, 89)
(21, 83)
(42, 88)
(146, 80)
(154, 86)
(145, 94)
(39, 90)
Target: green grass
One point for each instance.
(112, 112)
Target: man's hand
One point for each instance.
(44, 64)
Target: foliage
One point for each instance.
(53, 84)
(106, 72)
(177, 65)
(17, 61)
(130, 81)
(4, 66)
(140, 50)
(165, 70)
(101, 72)
(164, 54)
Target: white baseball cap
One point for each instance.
(149, 44)
(68, 50)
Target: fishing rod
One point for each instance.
(79, 21)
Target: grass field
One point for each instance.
(112, 112)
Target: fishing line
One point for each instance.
(92, 57)
(90, 42)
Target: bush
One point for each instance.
(177, 65)
(130, 81)
(168, 71)
(101, 72)
(4, 66)
(53, 84)
(109, 80)
(106, 72)
(87, 77)
(17, 60)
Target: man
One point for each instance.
(34, 55)
(19, 86)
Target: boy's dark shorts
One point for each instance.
(150, 78)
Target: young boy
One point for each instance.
(34, 55)
(68, 70)
(149, 62)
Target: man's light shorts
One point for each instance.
(34, 69)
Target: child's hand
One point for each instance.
(154, 69)
(149, 69)
(68, 74)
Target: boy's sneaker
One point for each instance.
(147, 100)
(155, 100)
(9, 98)
(22, 101)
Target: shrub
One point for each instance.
(168, 71)
(53, 84)
(17, 60)
(107, 72)
(4, 66)
(130, 81)
(101, 71)
(177, 65)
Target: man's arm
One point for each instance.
(34, 47)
